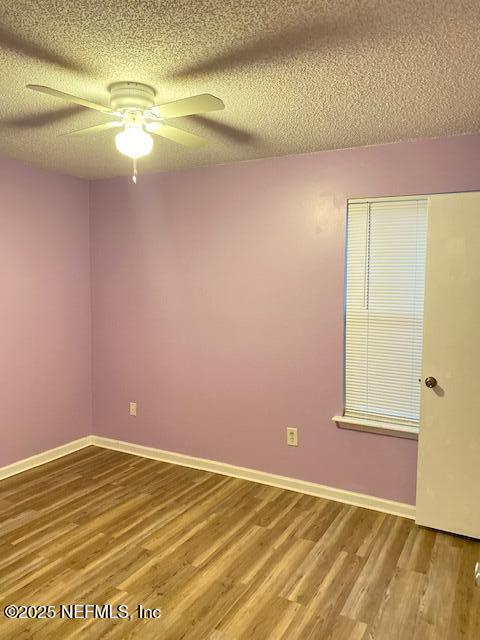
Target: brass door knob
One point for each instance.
(431, 382)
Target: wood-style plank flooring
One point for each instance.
(224, 559)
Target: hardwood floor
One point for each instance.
(224, 559)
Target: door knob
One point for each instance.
(431, 382)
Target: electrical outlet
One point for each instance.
(292, 436)
(133, 408)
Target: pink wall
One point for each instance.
(45, 359)
(218, 305)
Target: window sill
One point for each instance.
(382, 428)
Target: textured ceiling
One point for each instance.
(295, 76)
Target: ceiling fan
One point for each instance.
(132, 104)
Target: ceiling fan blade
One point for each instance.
(66, 96)
(95, 129)
(188, 106)
(177, 135)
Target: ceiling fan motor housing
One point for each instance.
(131, 95)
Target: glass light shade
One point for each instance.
(134, 142)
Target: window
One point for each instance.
(386, 245)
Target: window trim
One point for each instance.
(363, 424)
(422, 196)
(380, 428)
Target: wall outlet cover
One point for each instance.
(292, 436)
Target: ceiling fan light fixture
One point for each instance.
(133, 106)
(134, 142)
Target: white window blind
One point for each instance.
(386, 245)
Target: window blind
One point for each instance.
(386, 246)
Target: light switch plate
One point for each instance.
(133, 408)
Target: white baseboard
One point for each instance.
(262, 477)
(45, 456)
(283, 482)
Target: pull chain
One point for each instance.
(134, 177)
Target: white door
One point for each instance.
(448, 483)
